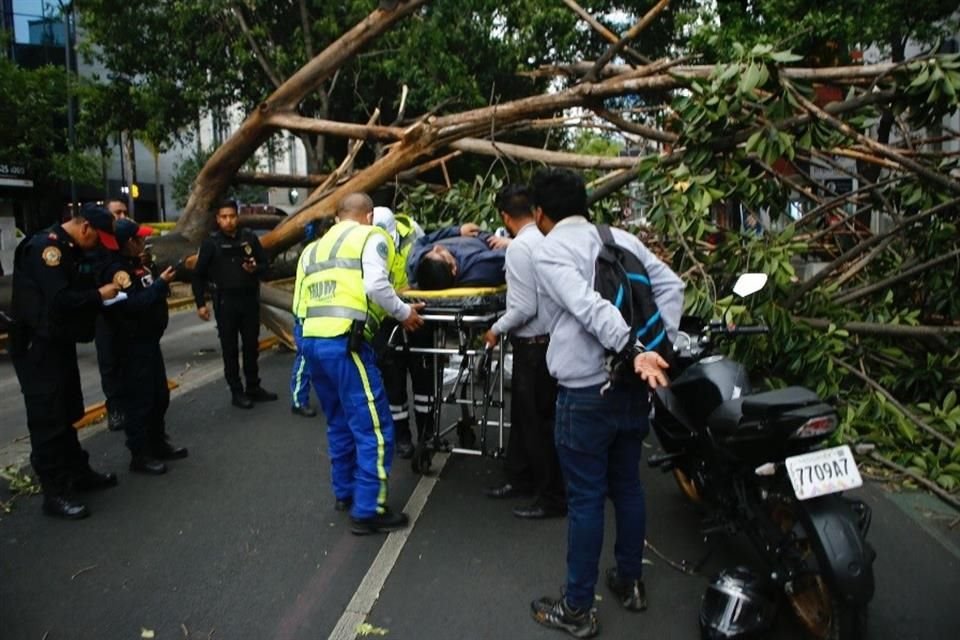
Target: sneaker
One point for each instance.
(380, 523)
(555, 613)
(631, 593)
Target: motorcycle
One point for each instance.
(759, 463)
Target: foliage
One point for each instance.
(34, 131)
(185, 173)
(822, 31)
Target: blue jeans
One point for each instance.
(600, 443)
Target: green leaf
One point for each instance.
(785, 56)
(950, 401)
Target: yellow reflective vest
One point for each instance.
(398, 269)
(329, 294)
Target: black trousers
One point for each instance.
(144, 396)
(531, 452)
(50, 381)
(109, 376)
(238, 315)
(394, 367)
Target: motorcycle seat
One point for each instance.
(761, 406)
(758, 408)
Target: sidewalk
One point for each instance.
(240, 540)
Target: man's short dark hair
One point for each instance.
(560, 193)
(228, 204)
(433, 273)
(516, 200)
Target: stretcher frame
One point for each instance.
(477, 389)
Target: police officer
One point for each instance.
(53, 309)
(343, 281)
(109, 377)
(234, 260)
(394, 365)
(137, 324)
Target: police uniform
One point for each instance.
(394, 365)
(338, 323)
(236, 300)
(137, 324)
(54, 306)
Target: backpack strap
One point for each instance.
(606, 236)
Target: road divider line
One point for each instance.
(369, 590)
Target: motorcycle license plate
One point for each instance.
(822, 472)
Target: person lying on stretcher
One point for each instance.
(457, 256)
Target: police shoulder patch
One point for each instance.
(51, 256)
(247, 248)
(122, 279)
(382, 249)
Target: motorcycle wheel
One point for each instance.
(824, 615)
(687, 485)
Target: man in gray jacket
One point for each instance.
(599, 428)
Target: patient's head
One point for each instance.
(437, 269)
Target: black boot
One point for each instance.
(90, 480)
(147, 465)
(259, 394)
(165, 451)
(241, 400)
(60, 507)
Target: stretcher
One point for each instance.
(457, 319)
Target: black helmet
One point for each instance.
(737, 605)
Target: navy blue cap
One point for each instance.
(127, 228)
(101, 220)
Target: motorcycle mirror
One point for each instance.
(749, 283)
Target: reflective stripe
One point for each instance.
(335, 263)
(638, 278)
(422, 398)
(375, 418)
(343, 236)
(298, 380)
(400, 415)
(421, 408)
(336, 312)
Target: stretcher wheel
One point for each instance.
(422, 459)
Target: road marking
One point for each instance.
(369, 589)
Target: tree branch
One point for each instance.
(896, 404)
(880, 329)
(307, 33)
(255, 47)
(883, 150)
(631, 33)
(610, 36)
(932, 486)
(559, 158)
(856, 294)
(806, 286)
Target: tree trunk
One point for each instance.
(130, 157)
(215, 176)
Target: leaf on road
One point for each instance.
(367, 629)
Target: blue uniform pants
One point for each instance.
(359, 428)
(300, 376)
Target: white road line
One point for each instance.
(369, 589)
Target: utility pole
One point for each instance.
(67, 11)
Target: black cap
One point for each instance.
(101, 220)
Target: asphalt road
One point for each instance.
(240, 540)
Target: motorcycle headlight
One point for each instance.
(819, 426)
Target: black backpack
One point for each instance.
(622, 279)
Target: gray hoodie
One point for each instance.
(583, 325)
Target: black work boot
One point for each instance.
(259, 394)
(90, 480)
(379, 523)
(631, 593)
(240, 399)
(147, 465)
(556, 614)
(61, 507)
(163, 450)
